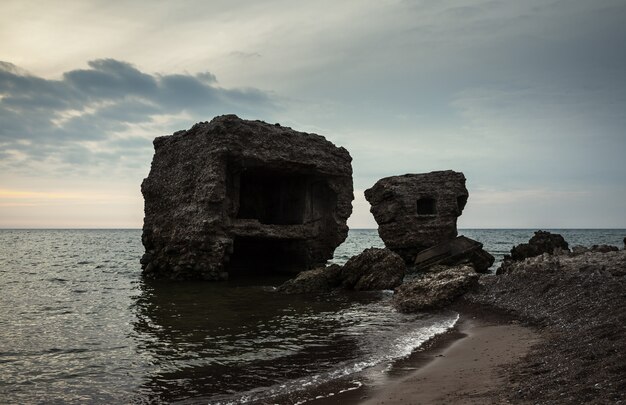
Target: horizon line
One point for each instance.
(356, 229)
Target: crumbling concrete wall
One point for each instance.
(232, 195)
(417, 211)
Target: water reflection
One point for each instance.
(214, 340)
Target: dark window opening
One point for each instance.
(259, 256)
(461, 201)
(426, 206)
(272, 198)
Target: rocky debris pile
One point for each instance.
(579, 250)
(435, 290)
(417, 211)
(600, 262)
(542, 242)
(578, 300)
(373, 269)
(233, 195)
(460, 250)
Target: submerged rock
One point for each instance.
(373, 269)
(233, 195)
(460, 250)
(435, 290)
(417, 211)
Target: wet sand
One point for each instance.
(462, 366)
(467, 371)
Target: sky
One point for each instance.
(526, 98)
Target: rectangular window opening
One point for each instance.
(272, 197)
(426, 206)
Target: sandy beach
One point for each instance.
(463, 366)
(467, 371)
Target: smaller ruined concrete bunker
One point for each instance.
(233, 196)
(417, 211)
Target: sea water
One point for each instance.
(78, 324)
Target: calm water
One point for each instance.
(77, 324)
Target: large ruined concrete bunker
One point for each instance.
(233, 196)
(417, 211)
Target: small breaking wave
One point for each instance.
(383, 348)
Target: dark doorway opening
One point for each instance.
(426, 206)
(262, 256)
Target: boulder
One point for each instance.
(373, 269)
(541, 242)
(417, 211)
(232, 196)
(435, 290)
(481, 260)
(318, 280)
(460, 250)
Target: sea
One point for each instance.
(79, 325)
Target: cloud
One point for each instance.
(245, 55)
(518, 95)
(102, 114)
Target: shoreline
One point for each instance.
(463, 365)
(467, 371)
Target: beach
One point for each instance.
(552, 331)
(466, 371)
(465, 365)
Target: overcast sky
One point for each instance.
(527, 98)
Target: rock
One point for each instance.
(578, 250)
(612, 262)
(457, 251)
(373, 269)
(435, 290)
(417, 211)
(318, 280)
(541, 242)
(603, 248)
(232, 195)
(481, 260)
